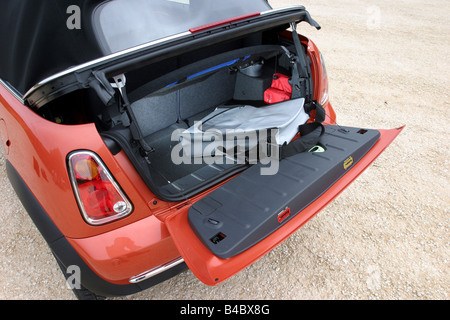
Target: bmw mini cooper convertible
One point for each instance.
(144, 137)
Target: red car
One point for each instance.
(146, 136)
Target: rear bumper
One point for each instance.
(124, 268)
(134, 251)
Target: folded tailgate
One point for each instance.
(239, 222)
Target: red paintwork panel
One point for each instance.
(38, 148)
(128, 251)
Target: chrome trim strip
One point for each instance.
(155, 271)
(11, 90)
(103, 59)
(135, 49)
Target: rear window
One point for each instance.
(123, 24)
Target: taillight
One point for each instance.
(98, 195)
(324, 92)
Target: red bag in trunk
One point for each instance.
(281, 89)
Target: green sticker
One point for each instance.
(317, 149)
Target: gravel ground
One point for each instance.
(387, 235)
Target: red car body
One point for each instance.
(155, 241)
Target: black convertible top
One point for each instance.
(36, 42)
(40, 38)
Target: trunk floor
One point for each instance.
(179, 178)
(164, 171)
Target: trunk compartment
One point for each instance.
(174, 102)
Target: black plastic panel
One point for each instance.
(251, 206)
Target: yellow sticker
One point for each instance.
(348, 163)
